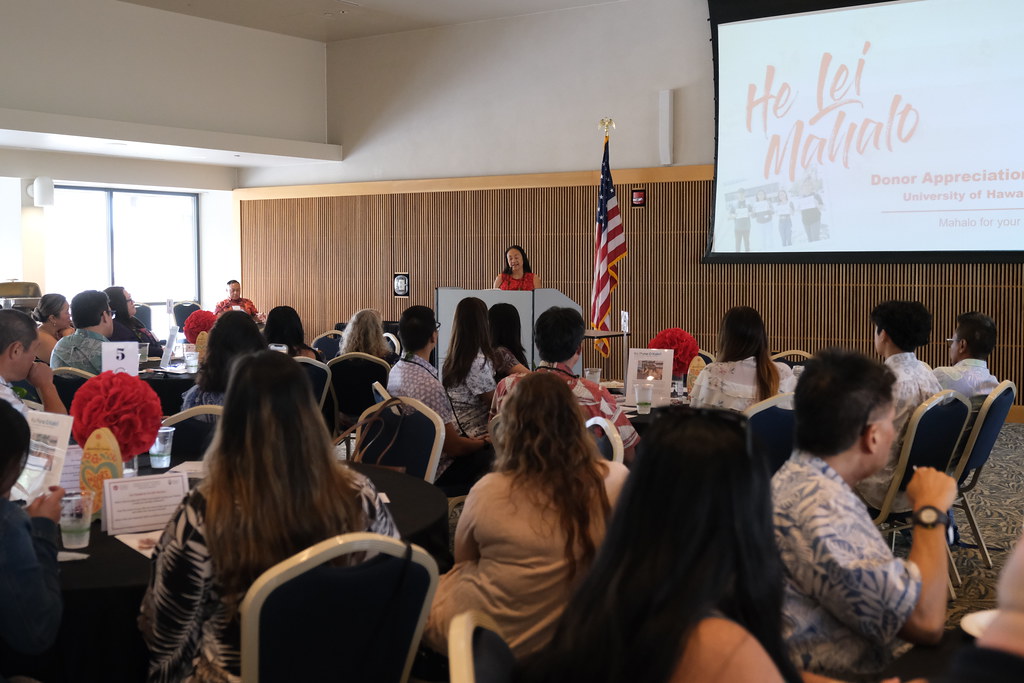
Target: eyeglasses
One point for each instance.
(437, 326)
(129, 301)
(953, 340)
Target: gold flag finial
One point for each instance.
(606, 123)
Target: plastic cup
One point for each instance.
(644, 392)
(593, 374)
(192, 361)
(160, 451)
(75, 519)
(143, 353)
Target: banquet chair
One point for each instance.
(193, 430)
(327, 344)
(476, 651)
(67, 385)
(609, 441)
(791, 357)
(977, 450)
(319, 377)
(65, 371)
(771, 423)
(352, 378)
(145, 315)
(401, 433)
(310, 619)
(380, 394)
(393, 342)
(182, 310)
(930, 440)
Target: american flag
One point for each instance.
(609, 249)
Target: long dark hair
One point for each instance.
(284, 326)
(742, 335)
(506, 330)
(13, 447)
(507, 270)
(119, 305)
(233, 334)
(469, 337)
(691, 536)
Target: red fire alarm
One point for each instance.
(639, 197)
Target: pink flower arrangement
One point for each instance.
(125, 404)
(681, 343)
(198, 321)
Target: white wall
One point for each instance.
(519, 95)
(112, 60)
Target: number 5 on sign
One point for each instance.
(121, 357)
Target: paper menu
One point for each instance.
(141, 503)
(71, 473)
(50, 434)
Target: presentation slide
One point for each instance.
(895, 127)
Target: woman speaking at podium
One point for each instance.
(517, 274)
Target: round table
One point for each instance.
(99, 638)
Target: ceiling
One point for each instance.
(331, 20)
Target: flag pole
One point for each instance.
(609, 246)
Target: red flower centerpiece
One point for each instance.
(681, 343)
(198, 321)
(124, 404)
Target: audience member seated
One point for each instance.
(364, 333)
(273, 489)
(673, 596)
(19, 347)
(900, 327)
(558, 335)
(969, 348)
(284, 326)
(468, 372)
(94, 323)
(506, 339)
(517, 273)
(233, 335)
(465, 459)
(126, 326)
(30, 597)
(531, 528)
(744, 372)
(997, 656)
(849, 603)
(54, 317)
(235, 302)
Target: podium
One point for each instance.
(529, 304)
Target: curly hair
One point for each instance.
(542, 443)
(365, 333)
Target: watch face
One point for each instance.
(928, 516)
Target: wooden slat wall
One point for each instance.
(330, 255)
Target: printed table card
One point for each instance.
(141, 503)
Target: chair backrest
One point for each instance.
(407, 435)
(771, 423)
(476, 651)
(67, 385)
(987, 426)
(193, 430)
(352, 376)
(931, 438)
(65, 371)
(319, 377)
(306, 620)
(393, 342)
(791, 357)
(182, 310)
(609, 441)
(145, 315)
(327, 343)
(380, 394)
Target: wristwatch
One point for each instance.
(930, 517)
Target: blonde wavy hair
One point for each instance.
(541, 441)
(274, 487)
(365, 333)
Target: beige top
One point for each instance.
(510, 564)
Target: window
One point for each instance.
(146, 242)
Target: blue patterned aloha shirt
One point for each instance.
(846, 595)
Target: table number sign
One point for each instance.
(120, 357)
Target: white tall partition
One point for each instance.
(529, 304)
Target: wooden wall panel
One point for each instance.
(328, 256)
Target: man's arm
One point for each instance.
(928, 551)
(41, 377)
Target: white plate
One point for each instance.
(976, 622)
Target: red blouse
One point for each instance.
(510, 283)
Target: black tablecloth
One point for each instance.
(99, 639)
